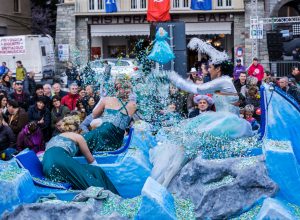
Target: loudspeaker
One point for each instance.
(275, 45)
(179, 44)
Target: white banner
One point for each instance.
(12, 45)
(256, 31)
(63, 52)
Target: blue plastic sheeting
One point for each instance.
(16, 186)
(157, 202)
(281, 119)
(280, 126)
(129, 170)
(283, 169)
(274, 209)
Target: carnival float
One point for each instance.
(208, 167)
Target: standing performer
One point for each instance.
(169, 156)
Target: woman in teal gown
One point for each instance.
(60, 166)
(116, 113)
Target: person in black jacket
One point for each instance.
(41, 114)
(20, 96)
(7, 136)
(39, 92)
(241, 81)
(30, 84)
(289, 89)
(72, 74)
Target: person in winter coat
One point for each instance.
(17, 117)
(31, 137)
(20, 71)
(41, 114)
(39, 92)
(58, 111)
(72, 74)
(289, 89)
(7, 136)
(238, 69)
(30, 84)
(20, 96)
(5, 84)
(256, 70)
(56, 88)
(70, 100)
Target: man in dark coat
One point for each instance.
(17, 117)
(289, 89)
(41, 114)
(20, 96)
(30, 84)
(7, 136)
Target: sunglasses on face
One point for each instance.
(19, 84)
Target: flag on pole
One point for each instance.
(110, 6)
(158, 10)
(201, 5)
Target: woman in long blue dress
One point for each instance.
(116, 114)
(59, 164)
(161, 51)
(186, 137)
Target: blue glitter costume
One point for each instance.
(110, 134)
(58, 165)
(161, 51)
(216, 134)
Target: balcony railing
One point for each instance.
(86, 6)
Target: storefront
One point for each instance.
(115, 36)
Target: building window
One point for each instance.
(16, 5)
(138, 4)
(224, 4)
(180, 4)
(96, 5)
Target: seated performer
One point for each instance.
(58, 164)
(116, 115)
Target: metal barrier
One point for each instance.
(281, 68)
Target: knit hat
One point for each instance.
(209, 100)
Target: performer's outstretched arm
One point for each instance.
(219, 84)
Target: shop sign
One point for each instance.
(12, 45)
(142, 19)
(63, 52)
(214, 17)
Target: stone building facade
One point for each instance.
(88, 29)
(15, 17)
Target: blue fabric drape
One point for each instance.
(201, 5)
(110, 6)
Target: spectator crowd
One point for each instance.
(31, 113)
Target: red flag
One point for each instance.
(158, 10)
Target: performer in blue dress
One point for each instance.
(188, 137)
(116, 114)
(59, 164)
(161, 51)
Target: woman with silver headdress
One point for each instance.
(209, 129)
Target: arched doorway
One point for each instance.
(286, 8)
(289, 9)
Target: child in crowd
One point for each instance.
(248, 115)
(31, 137)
